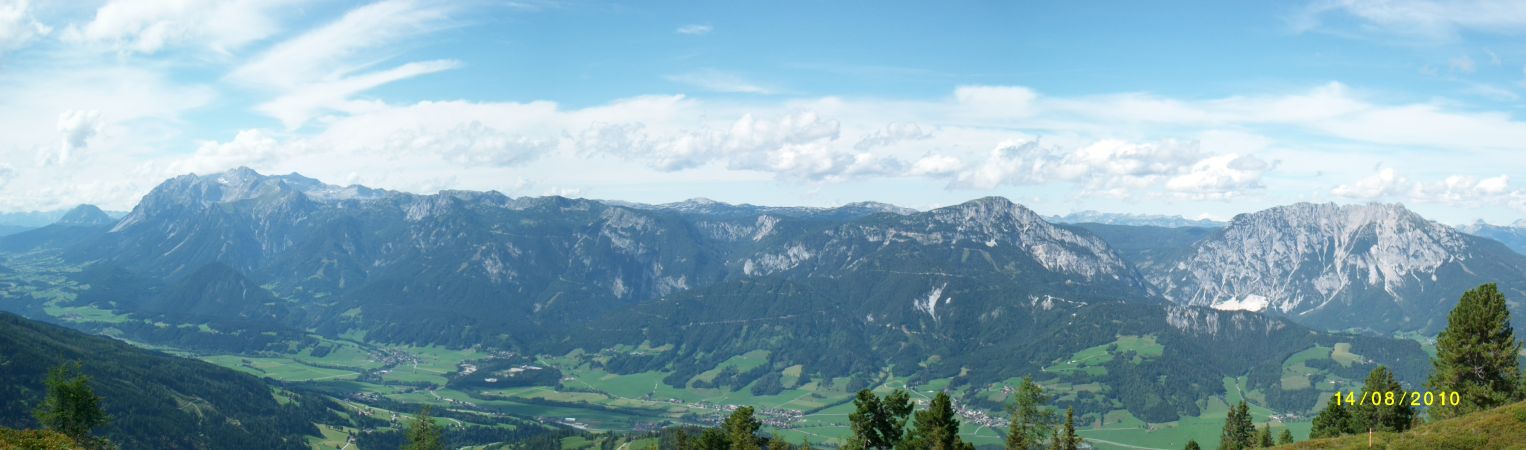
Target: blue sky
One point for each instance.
(1202, 109)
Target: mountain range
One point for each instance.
(1150, 220)
(1513, 235)
(975, 292)
(155, 400)
(533, 260)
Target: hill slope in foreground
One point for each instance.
(1498, 428)
(156, 401)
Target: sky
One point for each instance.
(1203, 109)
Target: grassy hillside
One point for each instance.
(156, 401)
(1499, 428)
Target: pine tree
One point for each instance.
(936, 428)
(1239, 431)
(1066, 438)
(423, 433)
(1383, 417)
(71, 407)
(741, 429)
(681, 439)
(1032, 422)
(1285, 438)
(1333, 421)
(712, 439)
(777, 443)
(1476, 355)
(1264, 437)
(1192, 445)
(878, 423)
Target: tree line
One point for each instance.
(1476, 358)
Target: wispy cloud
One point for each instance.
(720, 81)
(319, 70)
(1424, 18)
(694, 29)
(147, 26)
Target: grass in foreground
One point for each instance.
(1499, 428)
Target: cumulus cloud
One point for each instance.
(75, 128)
(800, 145)
(935, 165)
(17, 26)
(1461, 189)
(1119, 168)
(1219, 177)
(694, 29)
(1454, 190)
(1384, 183)
(891, 134)
(472, 144)
(253, 148)
(149, 26)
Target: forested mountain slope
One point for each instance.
(156, 401)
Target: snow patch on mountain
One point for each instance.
(1251, 302)
(929, 304)
(1301, 256)
(776, 262)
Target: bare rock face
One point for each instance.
(1374, 266)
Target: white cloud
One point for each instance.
(149, 26)
(800, 144)
(75, 128)
(17, 26)
(694, 29)
(1219, 177)
(893, 133)
(935, 165)
(1426, 18)
(252, 148)
(1119, 168)
(321, 69)
(295, 107)
(1453, 190)
(718, 81)
(472, 144)
(995, 102)
(1384, 183)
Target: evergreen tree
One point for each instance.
(1333, 421)
(741, 429)
(712, 439)
(423, 433)
(1192, 445)
(1066, 438)
(1383, 417)
(806, 445)
(1476, 355)
(777, 443)
(878, 423)
(1264, 437)
(936, 428)
(1032, 422)
(71, 406)
(1239, 432)
(1286, 437)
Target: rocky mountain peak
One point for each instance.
(1329, 260)
(86, 215)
